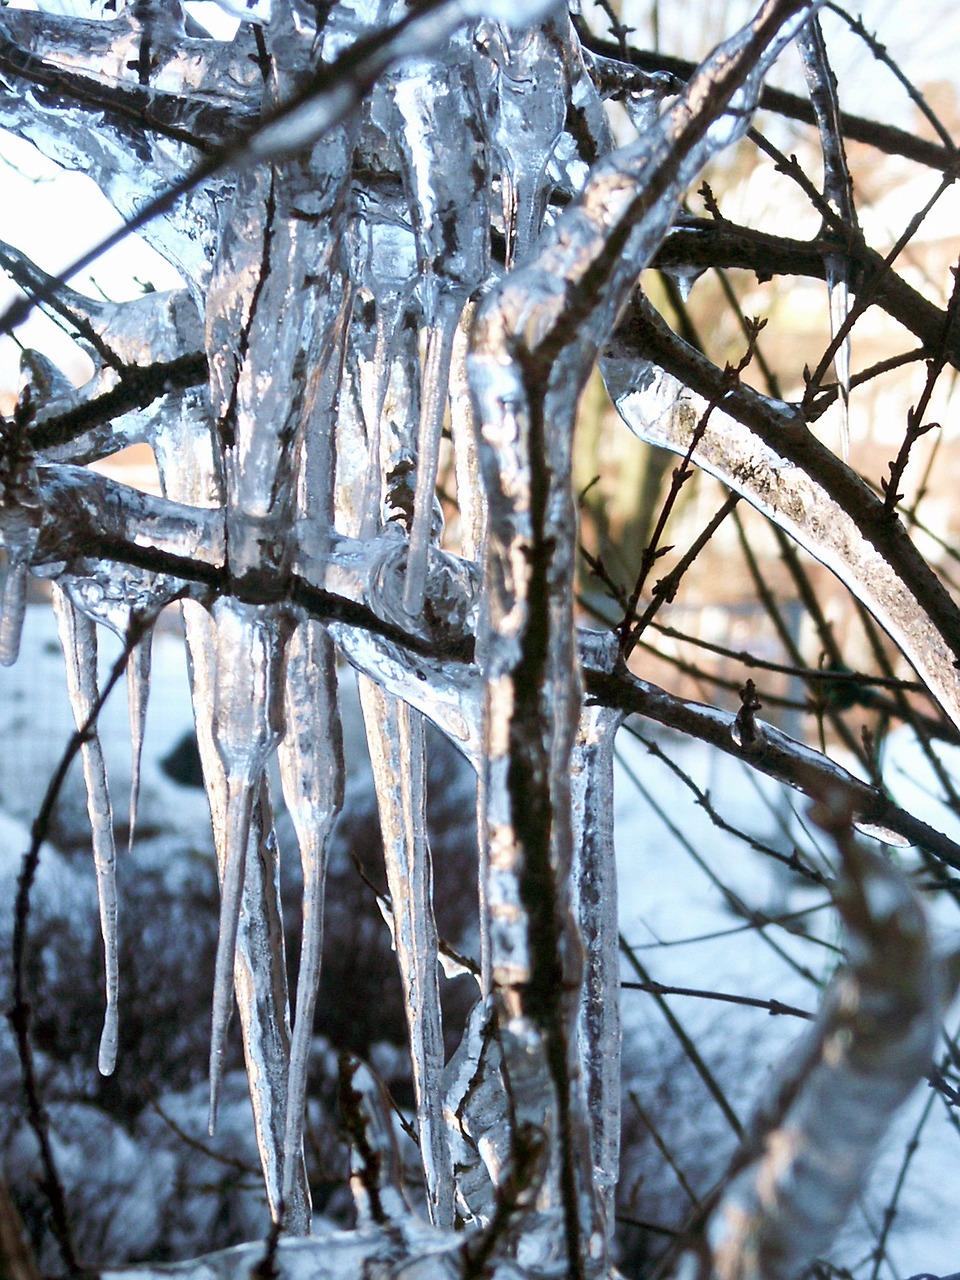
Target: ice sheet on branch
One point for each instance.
(660, 409)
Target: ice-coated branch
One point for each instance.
(533, 345)
(775, 754)
(764, 449)
(196, 93)
(886, 138)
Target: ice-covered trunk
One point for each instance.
(530, 716)
(534, 343)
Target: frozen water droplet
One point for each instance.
(876, 831)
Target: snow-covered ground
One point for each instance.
(677, 874)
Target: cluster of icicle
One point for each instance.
(451, 243)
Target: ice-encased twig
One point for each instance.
(312, 773)
(78, 636)
(832, 1100)
(129, 164)
(395, 739)
(595, 908)
(880, 566)
(838, 192)
(375, 1167)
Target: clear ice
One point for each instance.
(398, 243)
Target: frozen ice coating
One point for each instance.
(441, 151)
(439, 238)
(78, 636)
(198, 91)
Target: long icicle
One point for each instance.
(247, 725)
(259, 966)
(138, 693)
(312, 774)
(78, 636)
(395, 737)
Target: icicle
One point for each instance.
(114, 596)
(247, 725)
(530, 107)
(397, 754)
(260, 966)
(441, 148)
(20, 517)
(595, 905)
(444, 318)
(13, 608)
(311, 770)
(838, 192)
(79, 640)
(684, 278)
(138, 691)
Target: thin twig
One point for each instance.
(726, 997)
